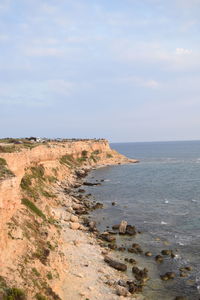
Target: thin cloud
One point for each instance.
(182, 51)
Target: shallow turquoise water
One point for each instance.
(161, 196)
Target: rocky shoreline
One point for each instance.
(107, 243)
(106, 274)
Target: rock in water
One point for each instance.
(115, 264)
(122, 227)
(107, 237)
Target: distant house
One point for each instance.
(32, 139)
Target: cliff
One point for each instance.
(31, 248)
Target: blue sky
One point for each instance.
(124, 70)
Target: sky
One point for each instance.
(122, 70)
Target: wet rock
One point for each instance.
(132, 250)
(112, 232)
(183, 274)
(115, 227)
(121, 249)
(164, 277)
(81, 173)
(122, 291)
(97, 206)
(183, 269)
(166, 252)
(132, 261)
(91, 183)
(168, 276)
(140, 275)
(81, 191)
(133, 287)
(148, 253)
(171, 275)
(136, 248)
(131, 230)
(188, 268)
(126, 259)
(180, 298)
(159, 258)
(106, 237)
(88, 195)
(92, 225)
(115, 264)
(112, 246)
(122, 283)
(113, 203)
(122, 227)
(173, 255)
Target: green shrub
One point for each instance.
(46, 193)
(14, 294)
(96, 152)
(93, 158)
(33, 183)
(34, 270)
(38, 172)
(26, 182)
(84, 153)
(7, 149)
(2, 162)
(29, 204)
(109, 155)
(67, 160)
(4, 171)
(81, 159)
(52, 179)
(49, 276)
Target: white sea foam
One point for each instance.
(163, 223)
(181, 244)
(194, 200)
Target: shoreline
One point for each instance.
(96, 278)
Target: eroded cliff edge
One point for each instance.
(32, 257)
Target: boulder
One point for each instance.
(122, 227)
(115, 264)
(74, 225)
(122, 291)
(74, 218)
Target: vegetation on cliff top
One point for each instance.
(4, 171)
(34, 183)
(70, 161)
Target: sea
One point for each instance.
(160, 195)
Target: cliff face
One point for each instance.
(28, 227)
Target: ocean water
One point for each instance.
(161, 197)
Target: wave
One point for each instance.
(163, 223)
